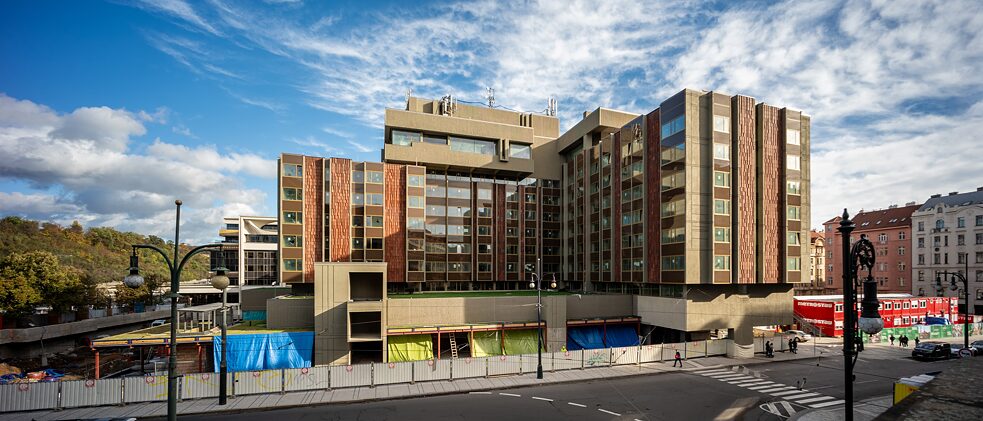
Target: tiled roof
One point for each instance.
(884, 218)
(964, 199)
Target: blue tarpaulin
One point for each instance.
(266, 351)
(585, 337)
(620, 335)
(936, 321)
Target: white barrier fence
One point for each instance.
(74, 394)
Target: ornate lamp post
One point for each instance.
(134, 280)
(536, 283)
(861, 257)
(953, 277)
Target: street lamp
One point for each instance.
(953, 277)
(536, 283)
(174, 266)
(859, 258)
(221, 281)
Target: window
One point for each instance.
(979, 257)
(415, 202)
(721, 262)
(414, 223)
(458, 248)
(484, 147)
(793, 238)
(485, 212)
(921, 259)
(402, 138)
(882, 238)
(518, 150)
(415, 244)
(293, 217)
(484, 267)
(673, 208)
(374, 177)
(415, 181)
(673, 263)
(939, 224)
(414, 266)
(961, 258)
(373, 243)
(979, 220)
(793, 162)
(960, 240)
(530, 197)
(293, 265)
(721, 179)
(458, 192)
(721, 207)
(960, 222)
(458, 230)
(484, 194)
(901, 251)
(358, 243)
(794, 213)
(721, 151)
(484, 230)
(374, 199)
(290, 193)
(792, 137)
(358, 177)
(921, 226)
(296, 170)
(721, 235)
(675, 126)
(511, 214)
(921, 242)
(794, 263)
(673, 235)
(794, 187)
(459, 211)
(721, 124)
(293, 241)
(373, 221)
(979, 238)
(901, 235)
(435, 267)
(435, 139)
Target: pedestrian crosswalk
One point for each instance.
(751, 381)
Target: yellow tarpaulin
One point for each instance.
(410, 348)
(486, 344)
(520, 341)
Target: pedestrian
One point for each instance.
(768, 350)
(904, 341)
(679, 360)
(917, 341)
(795, 346)
(891, 338)
(791, 345)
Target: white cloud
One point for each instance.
(360, 147)
(182, 10)
(85, 154)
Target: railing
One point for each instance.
(83, 393)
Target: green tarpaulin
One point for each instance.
(487, 343)
(410, 348)
(520, 341)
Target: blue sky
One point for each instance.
(110, 110)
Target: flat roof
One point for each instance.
(160, 335)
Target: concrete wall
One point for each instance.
(331, 307)
(290, 313)
(254, 299)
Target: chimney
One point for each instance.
(935, 196)
(979, 189)
(895, 206)
(953, 193)
(585, 114)
(913, 203)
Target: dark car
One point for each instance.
(978, 346)
(957, 351)
(932, 351)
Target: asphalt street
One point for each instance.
(768, 391)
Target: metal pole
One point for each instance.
(539, 319)
(172, 360)
(223, 365)
(849, 315)
(966, 298)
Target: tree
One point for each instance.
(17, 296)
(58, 286)
(144, 294)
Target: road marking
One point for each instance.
(811, 400)
(788, 408)
(755, 382)
(480, 393)
(609, 412)
(744, 379)
(709, 372)
(775, 389)
(768, 385)
(576, 404)
(542, 399)
(727, 376)
(787, 392)
(825, 404)
(804, 395)
(511, 394)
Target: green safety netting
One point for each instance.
(484, 344)
(520, 341)
(410, 348)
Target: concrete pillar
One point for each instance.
(742, 342)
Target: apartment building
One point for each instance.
(689, 218)
(948, 236)
(890, 232)
(817, 266)
(249, 250)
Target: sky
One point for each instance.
(111, 110)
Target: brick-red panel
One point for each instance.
(395, 222)
(341, 210)
(771, 164)
(782, 196)
(653, 200)
(499, 217)
(744, 184)
(522, 232)
(313, 204)
(616, 251)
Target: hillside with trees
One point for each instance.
(65, 268)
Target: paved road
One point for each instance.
(710, 394)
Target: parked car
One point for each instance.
(800, 335)
(932, 351)
(957, 351)
(978, 346)
(158, 322)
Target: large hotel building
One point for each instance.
(688, 219)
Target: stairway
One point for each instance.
(453, 339)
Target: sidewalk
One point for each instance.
(396, 391)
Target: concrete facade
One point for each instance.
(249, 250)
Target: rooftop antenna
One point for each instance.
(551, 106)
(409, 93)
(490, 95)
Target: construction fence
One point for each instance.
(83, 393)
